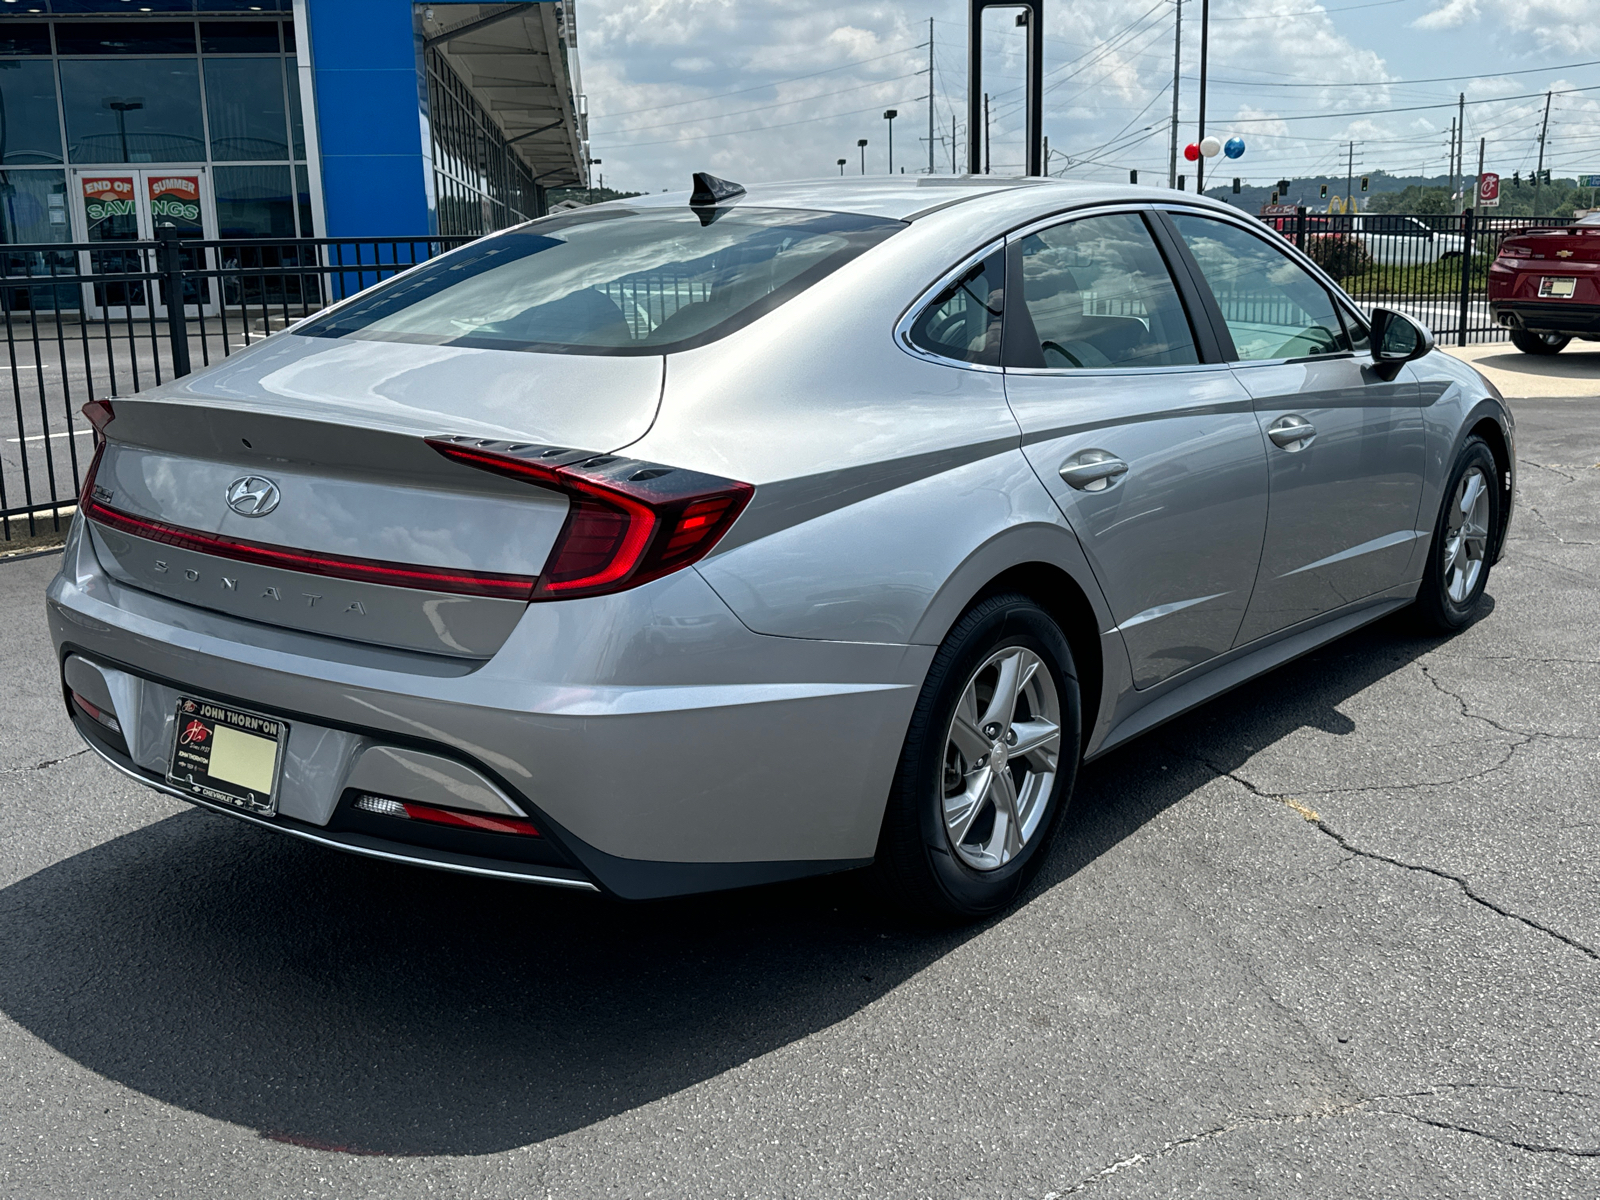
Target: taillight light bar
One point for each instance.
(362, 570)
(628, 521)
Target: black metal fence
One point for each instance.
(1432, 267)
(94, 320)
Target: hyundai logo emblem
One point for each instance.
(252, 496)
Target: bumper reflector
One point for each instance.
(98, 714)
(408, 810)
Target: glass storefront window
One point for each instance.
(245, 103)
(29, 129)
(297, 124)
(125, 37)
(33, 207)
(302, 187)
(133, 110)
(239, 37)
(254, 202)
(24, 37)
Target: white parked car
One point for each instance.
(1395, 240)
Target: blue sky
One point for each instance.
(781, 89)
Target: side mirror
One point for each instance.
(1396, 338)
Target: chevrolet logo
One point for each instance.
(1563, 253)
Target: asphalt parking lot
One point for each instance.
(1336, 934)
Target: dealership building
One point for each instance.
(283, 118)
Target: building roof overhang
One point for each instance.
(520, 62)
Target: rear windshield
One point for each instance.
(611, 282)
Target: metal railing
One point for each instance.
(1433, 267)
(94, 320)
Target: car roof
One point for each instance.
(907, 197)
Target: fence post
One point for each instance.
(172, 284)
(1466, 275)
(1300, 227)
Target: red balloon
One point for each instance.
(1192, 152)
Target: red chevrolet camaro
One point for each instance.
(1545, 286)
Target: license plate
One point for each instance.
(1560, 287)
(231, 757)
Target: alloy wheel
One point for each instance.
(1466, 536)
(1002, 751)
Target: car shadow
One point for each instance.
(345, 1004)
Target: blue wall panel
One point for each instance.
(364, 56)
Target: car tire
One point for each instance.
(1459, 556)
(944, 788)
(1530, 342)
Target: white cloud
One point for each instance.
(1452, 14)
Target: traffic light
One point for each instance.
(1283, 187)
(1547, 175)
(1365, 179)
(1235, 185)
(1324, 191)
(1516, 179)
(1274, 198)
(1133, 177)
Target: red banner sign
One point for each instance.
(107, 196)
(176, 197)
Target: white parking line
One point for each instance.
(39, 437)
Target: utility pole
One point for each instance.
(1205, 38)
(930, 95)
(1477, 182)
(954, 127)
(1349, 177)
(1461, 146)
(986, 133)
(1452, 157)
(1177, 62)
(1538, 176)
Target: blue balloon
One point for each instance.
(1234, 147)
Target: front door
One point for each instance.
(1344, 438)
(128, 204)
(1154, 458)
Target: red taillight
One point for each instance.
(334, 566)
(409, 810)
(628, 521)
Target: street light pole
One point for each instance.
(1177, 59)
(889, 115)
(1205, 43)
(841, 166)
(863, 144)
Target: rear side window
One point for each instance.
(1273, 307)
(963, 321)
(611, 281)
(1099, 295)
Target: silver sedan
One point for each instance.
(701, 540)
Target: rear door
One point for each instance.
(1145, 439)
(1344, 438)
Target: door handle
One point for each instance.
(1292, 433)
(1093, 470)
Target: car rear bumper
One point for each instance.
(1547, 316)
(657, 744)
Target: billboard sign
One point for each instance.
(1488, 190)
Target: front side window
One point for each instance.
(610, 281)
(963, 321)
(1098, 295)
(1273, 307)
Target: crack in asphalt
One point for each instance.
(1545, 521)
(1467, 712)
(1363, 1107)
(1321, 823)
(1547, 467)
(45, 765)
